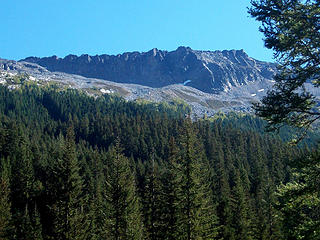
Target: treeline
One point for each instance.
(80, 167)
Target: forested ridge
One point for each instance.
(75, 166)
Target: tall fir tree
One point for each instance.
(222, 195)
(169, 193)
(5, 201)
(70, 219)
(25, 190)
(195, 210)
(272, 229)
(123, 216)
(155, 209)
(241, 215)
(97, 204)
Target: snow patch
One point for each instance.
(186, 82)
(107, 91)
(12, 87)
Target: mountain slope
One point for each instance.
(237, 98)
(208, 71)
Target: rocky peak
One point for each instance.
(71, 57)
(183, 49)
(208, 71)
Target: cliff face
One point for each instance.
(208, 71)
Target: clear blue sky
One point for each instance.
(61, 27)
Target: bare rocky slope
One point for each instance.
(207, 71)
(235, 98)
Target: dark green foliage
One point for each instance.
(155, 200)
(169, 193)
(5, 203)
(245, 122)
(122, 213)
(299, 201)
(291, 29)
(68, 208)
(96, 190)
(195, 217)
(64, 175)
(241, 219)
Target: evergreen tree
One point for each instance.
(36, 225)
(240, 206)
(169, 193)
(156, 201)
(298, 202)
(272, 229)
(31, 225)
(222, 195)
(150, 202)
(195, 210)
(5, 203)
(123, 217)
(68, 210)
(24, 189)
(291, 29)
(97, 204)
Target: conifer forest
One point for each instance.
(75, 166)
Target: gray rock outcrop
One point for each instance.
(208, 71)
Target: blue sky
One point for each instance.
(61, 27)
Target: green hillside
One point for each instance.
(75, 166)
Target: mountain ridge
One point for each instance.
(208, 71)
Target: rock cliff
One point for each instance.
(208, 71)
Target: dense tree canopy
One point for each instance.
(298, 202)
(78, 167)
